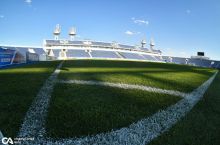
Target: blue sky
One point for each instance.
(179, 27)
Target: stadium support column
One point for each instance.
(143, 42)
(170, 59)
(56, 32)
(152, 44)
(12, 60)
(186, 60)
(72, 33)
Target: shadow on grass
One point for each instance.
(64, 69)
(79, 110)
(93, 109)
(164, 79)
(127, 64)
(18, 87)
(201, 126)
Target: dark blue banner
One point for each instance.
(6, 56)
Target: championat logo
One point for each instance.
(7, 140)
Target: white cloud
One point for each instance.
(140, 21)
(128, 32)
(2, 16)
(28, 1)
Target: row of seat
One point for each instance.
(78, 43)
(79, 53)
(105, 54)
(136, 56)
(192, 61)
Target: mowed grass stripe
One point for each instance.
(79, 110)
(201, 126)
(165, 76)
(18, 88)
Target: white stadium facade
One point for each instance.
(63, 49)
(70, 49)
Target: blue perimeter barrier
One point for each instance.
(18, 65)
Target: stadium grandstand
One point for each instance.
(64, 49)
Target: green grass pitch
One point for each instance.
(201, 126)
(18, 87)
(166, 76)
(79, 110)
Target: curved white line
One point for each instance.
(125, 86)
(141, 132)
(145, 130)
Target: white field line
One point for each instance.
(125, 86)
(141, 132)
(34, 121)
(145, 130)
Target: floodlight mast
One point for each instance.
(72, 33)
(143, 43)
(152, 44)
(56, 32)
